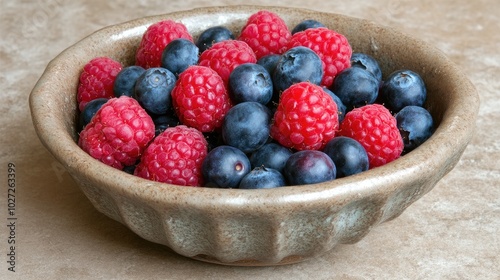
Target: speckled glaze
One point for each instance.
(271, 226)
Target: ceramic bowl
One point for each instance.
(270, 226)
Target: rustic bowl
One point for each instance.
(259, 227)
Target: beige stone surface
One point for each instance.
(451, 233)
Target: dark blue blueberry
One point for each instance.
(163, 122)
(224, 167)
(90, 109)
(368, 63)
(269, 62)
(262, 178)
(270, 155)
(298, 64)
(306, 24)
(250, 82)
(415, 125)
(309, 167)
(178, 55)
(348, 155)
(246, 126)
(153, 89)
(341, 109)
(213, 35)
(356, 87)
(403, 88)
(125, 80)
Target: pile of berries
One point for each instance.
(269, 108)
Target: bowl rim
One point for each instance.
(458, 120)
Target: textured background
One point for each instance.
(451, 233)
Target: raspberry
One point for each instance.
(376, 129)
(118, 133)
(175, 157)
(156, 38)
(97, 79)
(266, 33)
(306, 117)
(200, 98)
(226, 55)
(332, 47)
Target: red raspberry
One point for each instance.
(200, 98)
(175, 156)
(156, 38)
(118, 133)
(266, 33)
(376, 129)
(332, 47)
(96, 80)
(224, 56)
(306, 117)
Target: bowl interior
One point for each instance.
(452, 101)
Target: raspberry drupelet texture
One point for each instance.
(175, 157)
(226, 55)
(118, 133)
(332, 47)
(200, 98)
(266, 33)
(306, 117)
(156, 38)
(97, 79)
(374, 127)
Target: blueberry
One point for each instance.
(341, 108)
(224, 167)
(262, 178)
(90, 109)
(269, 62)
(250, 82)
(125, 80)
(306, 24)
(356, 87)
(213, 35)
(163, 122)
(246, 126)
(349, 156)
(178, 55)
(271, 155)
(153, 89)
(415, 125)
(298, 64)
(403, 88)
(368, 63)
(309, 167)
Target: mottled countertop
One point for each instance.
(453, 232)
